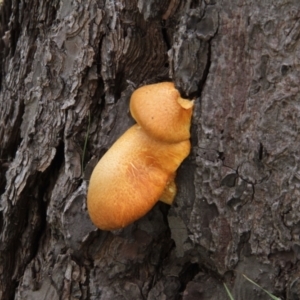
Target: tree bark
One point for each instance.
(68, 69)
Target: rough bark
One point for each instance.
(67, 71)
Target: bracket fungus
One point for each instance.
(139, 169)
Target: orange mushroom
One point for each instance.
(161, 112)
(139, 169)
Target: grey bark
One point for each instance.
(68, 69)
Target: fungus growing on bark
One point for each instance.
(139, 169)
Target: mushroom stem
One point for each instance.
(169, 193)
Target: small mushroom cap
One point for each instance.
(131, 177)
(161, 112)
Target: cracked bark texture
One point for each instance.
(68, 69)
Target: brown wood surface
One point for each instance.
(67, 71)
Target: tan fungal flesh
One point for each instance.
(139, 169)
(169, 119)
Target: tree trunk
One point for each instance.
(68, 69)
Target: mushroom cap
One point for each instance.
(131, 177)
(161, 112)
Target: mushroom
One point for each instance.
(139, 169)
(161, 112)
